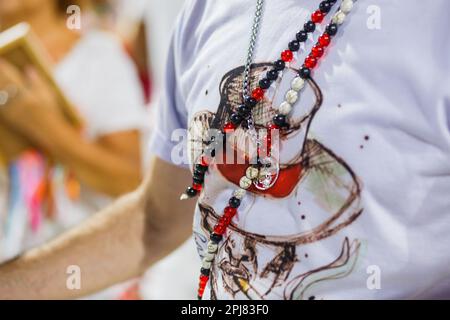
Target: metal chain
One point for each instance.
(246, 76)
(251, 47)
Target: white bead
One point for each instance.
(263, 174)
(346, 6)
(239, 193)
(297, 84)
(209, 257)
(245, 183)
(206, 264)
(4, 97)
(212, 247)
(184, 196)
(339, 17)
(251, 173)
(284, 108)
(291, 96)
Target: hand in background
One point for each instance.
(26, 110)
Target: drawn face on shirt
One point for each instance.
(321, 192)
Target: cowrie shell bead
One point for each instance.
(209, 257)
(240, 193)
(285, 108)
(245, 183)
(297, 84)
(291, 96)
(251, 173)
(346, 6)
(339, 17)
(212, 247)
(206, 264)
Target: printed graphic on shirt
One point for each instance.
(324, 189)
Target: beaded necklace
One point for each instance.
(264, 172)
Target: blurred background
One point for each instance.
(103, 62)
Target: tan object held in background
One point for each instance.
(19, 46)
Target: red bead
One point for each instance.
(317, 16)
(258, 93)
(203, 161)
(230, 212)
(310, 62)
(203, 279)
(200, 292)
(317, 51)
(220, 228)
(324, 40)
(228, 127)
(197, 186)
(287, 55)
(225, 220)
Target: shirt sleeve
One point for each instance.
(171, 113)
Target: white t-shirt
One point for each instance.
(100, 80)
(365, 211)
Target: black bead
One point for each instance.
(264, 83)
(325, 6)
(191, 192)
(279, 65)
(332, 2)
(332, 29)
(251, 102)
(301, 36)
(244, 111)
(235, 119)
(198, 180)
(198, 174)
(294, 45)
(309, 26)
(280, 120)
(216, 238)
(234, 202)
(204, 271)
(272, 74)
(201, 168)
(304, 72)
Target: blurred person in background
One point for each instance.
(93, 167)
(126, 19)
